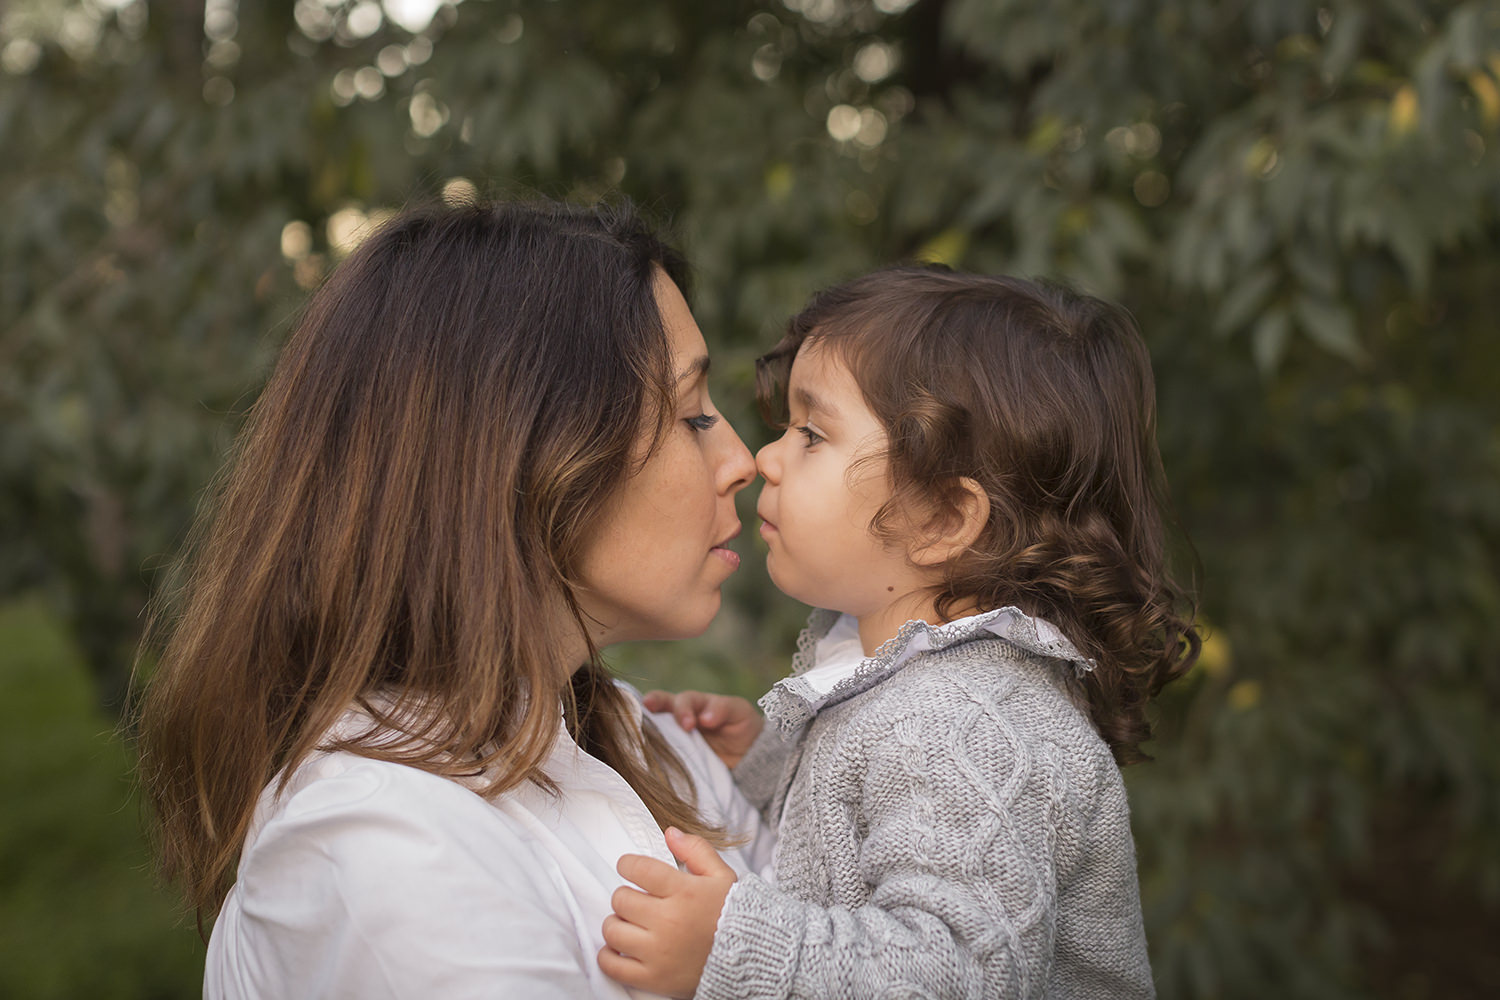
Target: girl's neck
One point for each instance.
(880, 626)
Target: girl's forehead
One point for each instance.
(818, 359)
(816, 365)
(820, 383)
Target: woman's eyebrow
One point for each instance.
(698, 368)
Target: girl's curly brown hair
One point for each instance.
(1043, 397)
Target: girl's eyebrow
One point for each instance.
(698, 368)
(812, 404)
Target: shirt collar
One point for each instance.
(830, 665)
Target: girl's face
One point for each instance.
(656, 562)
(825, 481)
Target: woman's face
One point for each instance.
(656, 562)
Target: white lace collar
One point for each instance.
(830, 664)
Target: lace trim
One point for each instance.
(792, 702)
(819, 624)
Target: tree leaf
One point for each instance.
(1330, 325)
(1268, 339)
(1246, 296)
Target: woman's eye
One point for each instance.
(702, 421)
(812, 436)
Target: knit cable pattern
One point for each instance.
(956, 829)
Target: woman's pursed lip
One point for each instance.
(724, 552)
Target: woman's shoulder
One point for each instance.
(388, 880)
(361, 820)
(337, 789)
(340, 782)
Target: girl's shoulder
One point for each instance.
(976, 720)
(830, 666)
(986, 668)
(1016, 696)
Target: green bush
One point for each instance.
(82, 915)
(1298, 199)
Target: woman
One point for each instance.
(380, 743)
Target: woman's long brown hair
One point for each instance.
(1045, 398)
(401, 523)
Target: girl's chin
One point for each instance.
(790, 588)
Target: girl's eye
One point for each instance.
(812, 436)
(702, 421)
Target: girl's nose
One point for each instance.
(768, 461)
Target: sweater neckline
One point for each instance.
(825, 672)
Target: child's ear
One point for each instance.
(953, 531)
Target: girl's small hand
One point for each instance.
(659, 940)
(729, 725)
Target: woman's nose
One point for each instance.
(738, 468)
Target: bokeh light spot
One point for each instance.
(460, 191)
(844, 122)
(296, 240)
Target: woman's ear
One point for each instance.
(952, 531)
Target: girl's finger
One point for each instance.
(695, 852)
(657, 701)
(622, 968)
(712, 712)
(633, 905)
(688, 706)
(624, 937)
(656, 877)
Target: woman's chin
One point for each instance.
(682, 622)
(698, 622)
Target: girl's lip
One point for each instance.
(766, 528)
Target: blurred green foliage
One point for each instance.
(81, 915)
(1299, 200)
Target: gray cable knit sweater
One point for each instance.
(950, 825)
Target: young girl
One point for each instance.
(969, 485)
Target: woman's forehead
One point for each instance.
(689, 350)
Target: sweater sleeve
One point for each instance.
(718, 796)
(958, 823)
(760, 771)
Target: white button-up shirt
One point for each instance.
(371, 879)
